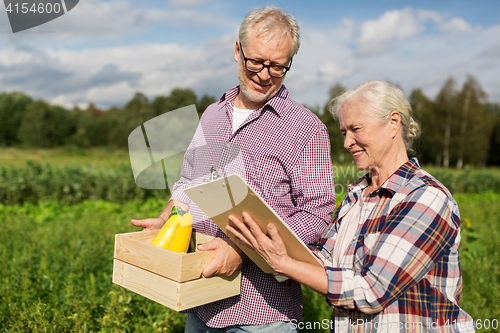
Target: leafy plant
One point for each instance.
(57, 265)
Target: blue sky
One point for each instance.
(105, 51)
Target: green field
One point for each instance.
(57, 262)
(97, 157)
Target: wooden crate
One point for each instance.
(171, 279)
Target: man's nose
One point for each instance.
(264, 74)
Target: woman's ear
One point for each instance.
(395, 122)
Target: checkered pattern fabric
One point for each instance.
(282, 151)
(401, 271)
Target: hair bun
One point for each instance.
(413, 129)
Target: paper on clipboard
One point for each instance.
(231, 195)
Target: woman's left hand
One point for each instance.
(270, 247)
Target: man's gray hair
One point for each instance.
(273, 21)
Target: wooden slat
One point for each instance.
(208, 290)
(202, 238)
(176, 296)
(192, 264)
(147, 284)
(134, 248)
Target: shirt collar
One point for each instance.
(394, 182)
(275, 104)
(401, 176)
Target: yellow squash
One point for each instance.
(167, 233)
(180, 243)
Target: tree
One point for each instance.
(333, 126)
(475, 124)
(178, 98)
(93, 127)
(46, 126)
(115, 124)
(427, 146)
(203, 103)
(13, 107)
(137, 110)
(446, 116)
(494, 141)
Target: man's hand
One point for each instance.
(228, 257)
(149, 224)
(158, 222)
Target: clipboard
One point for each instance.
(231, 195)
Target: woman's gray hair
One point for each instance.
(380, 99)
(273, 21)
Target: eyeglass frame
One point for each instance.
(245, 59)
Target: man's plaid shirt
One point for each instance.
(282, 150)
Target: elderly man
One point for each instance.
(285, 153)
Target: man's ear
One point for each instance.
(395, 122)
(237, 51)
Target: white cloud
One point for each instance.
(111, 75)
(396, 46)
(112, 20)
(491, 52)
(429, 15)
(378, 36)
(456, 24)
(393, 25)
(348, 23)
(422, 56)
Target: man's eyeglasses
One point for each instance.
(256, 66)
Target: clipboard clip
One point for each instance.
(214, 174)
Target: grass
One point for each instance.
(94, 157)
(57, 264)
(480, 256)
(56, 271)
(57, 259)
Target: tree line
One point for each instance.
(29, 123)
(459, 126)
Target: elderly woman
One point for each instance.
(390, 255)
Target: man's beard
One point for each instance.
(250, 94)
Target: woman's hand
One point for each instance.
(270, 247)
(273, 250)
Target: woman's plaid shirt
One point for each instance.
(401, 272)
